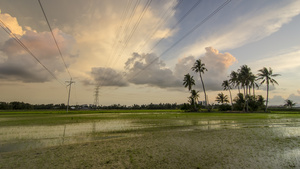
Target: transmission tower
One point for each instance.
(96, 101)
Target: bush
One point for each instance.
(224, 107)
(186, 107)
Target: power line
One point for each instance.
(177, 23)
(54, 38)
(121, 31)
(187, 34)
(164, 17)
(135, 25)
(11, 34)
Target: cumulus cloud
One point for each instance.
(18, 65)
(294, 98)
(276, 100)
(183, 66)
(12, 23)
(148, 69)
(106, 77)
(216, 63)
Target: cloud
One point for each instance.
(12, 23)
(216, 63)
(279, 61)
(106, 36)
(148, 69)
(106, 77)
(294, 98)
(276, 100)
(18, 65)
(249, 27)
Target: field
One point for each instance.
(149, 139)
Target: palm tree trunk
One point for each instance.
(239, 88)
(246, 98)
(253, 91)
(230, 99)
(267, 97)
(195, 104)
(249, 90)
(203, 89)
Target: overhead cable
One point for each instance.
(54, 39)
(187, 34)
(13, 35)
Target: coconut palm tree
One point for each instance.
(265, 75)
(226, 86)
(199, 67)
(245, 76)
(253, 84)
(221, 98)
(234, 80)
(289, 103)
(188, 81)
(194, 98)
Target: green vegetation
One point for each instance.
(161, 139)
(289, 103)
(244, 79)
(266, 76)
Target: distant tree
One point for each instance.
(226, 86)
(4, 106)
(221, 98)
(239, 102)
(194, 98)
(265, 75)
(289, 103)
(199, 67)
(256, 103)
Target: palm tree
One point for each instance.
(234, 80)
(221, 98)
(227, 86)
(289, 103)
(199, 67)
(194, 98)
(243, 77)
(253, 84)
(188, 81)
(266, 76)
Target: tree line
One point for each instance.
(26, 106)
(15, 105)
(243, 79)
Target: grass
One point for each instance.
(21, 118)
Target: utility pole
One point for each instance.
(70, 83)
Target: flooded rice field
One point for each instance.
(14, 138)
(151, 140)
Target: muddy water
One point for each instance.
(29, 137)
(15, 138)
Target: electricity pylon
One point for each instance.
(70, 84)
(96, 101)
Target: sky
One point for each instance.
(138, 51)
